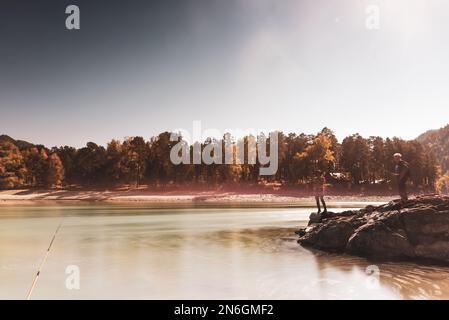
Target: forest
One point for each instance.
(354, 163)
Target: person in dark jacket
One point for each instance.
(402, 173)
(319, 182)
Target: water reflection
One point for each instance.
(405, 280)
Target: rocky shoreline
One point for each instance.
(417, 229)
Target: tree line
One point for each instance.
(353, 162)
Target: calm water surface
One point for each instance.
(144, 253)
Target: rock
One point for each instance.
(332, 236)
(315, 217)
(376, 239)
(301, 232)
(415, 229)
(426, 224)
(438, 250)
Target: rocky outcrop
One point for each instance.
(415, 229)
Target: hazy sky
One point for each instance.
(143, 67)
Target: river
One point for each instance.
(135, 252)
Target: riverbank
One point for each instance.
(182, 197)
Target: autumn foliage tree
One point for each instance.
(317, 155)
(12, 166)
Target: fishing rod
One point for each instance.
(36, 277)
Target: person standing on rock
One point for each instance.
(402, 173)
(319, 182)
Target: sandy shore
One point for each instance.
(179, 198)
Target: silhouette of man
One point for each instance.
(402, 173)
(318, 189)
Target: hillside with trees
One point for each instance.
(356, 163)
(438, 142)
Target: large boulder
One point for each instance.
(415, 229)
(376, 239)
(332, 236)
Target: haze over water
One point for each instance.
(196, 253)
